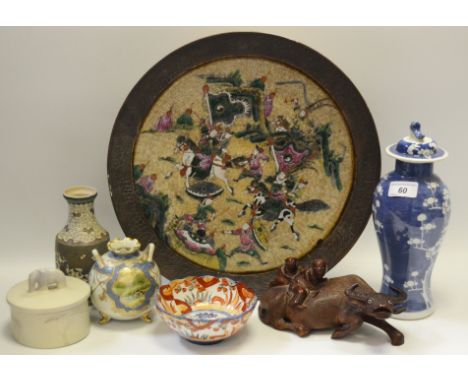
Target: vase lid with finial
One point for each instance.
(417, 147)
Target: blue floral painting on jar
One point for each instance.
(411, 209)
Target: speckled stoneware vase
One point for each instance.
(81, 234)
(411, 210)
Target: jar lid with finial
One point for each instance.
(417, 147)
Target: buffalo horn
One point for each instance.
(400, 295)
(350, 292)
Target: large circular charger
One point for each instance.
(239, 150)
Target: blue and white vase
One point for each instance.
(411, 209)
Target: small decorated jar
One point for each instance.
(124, 281)
(411, 210)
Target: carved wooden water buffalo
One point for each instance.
(310, 302)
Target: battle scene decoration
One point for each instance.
(242, 163)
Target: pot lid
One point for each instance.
(48, 290)
(124, 246)
(416, 148)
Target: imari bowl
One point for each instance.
(205, 309)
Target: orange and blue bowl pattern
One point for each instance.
(205, 309)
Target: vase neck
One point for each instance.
(413, 169)
(81, 211)
(82, 225)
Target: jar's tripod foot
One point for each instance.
(104, 319)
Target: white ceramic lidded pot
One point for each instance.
(49, 310)
(124, 280)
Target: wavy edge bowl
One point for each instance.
(238, 301)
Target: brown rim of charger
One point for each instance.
(333, 81)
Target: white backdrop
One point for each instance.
(61, 90)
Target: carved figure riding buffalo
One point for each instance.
(302, 300)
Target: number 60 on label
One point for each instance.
(403, 189)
